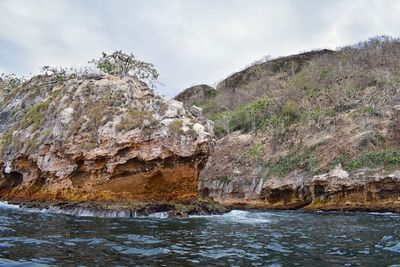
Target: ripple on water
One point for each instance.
(143, 239)
(22, 263)
(24, 240)
(240, 238)
(6, 245)
(153, 251)
(389, 243)
(6, 229)
(221, 253)
(390, 214)
(278, 248)
(87, 241)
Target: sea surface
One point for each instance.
(238, 238)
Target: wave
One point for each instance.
(85, 211)
(240, 216)
(77, 211)
(391, 214)
(12, 263)
(5, 205)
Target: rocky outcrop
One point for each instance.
(244, 169)
(198, 95)
(100, 138)
(335, 190)
(284, 124)
(247, 169)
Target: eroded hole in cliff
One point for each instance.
(123, 152)
(132, 166)
(285, 195)
(12, 179)
(205, 192)
(319, 191)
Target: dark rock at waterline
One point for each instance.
(128, 210)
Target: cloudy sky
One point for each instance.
(189, 41)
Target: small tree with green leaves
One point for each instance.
(59, 74)
(121, 64)
(10, 81)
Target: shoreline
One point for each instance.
(312, 206)
(125, 209)
(175, 210)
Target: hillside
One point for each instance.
(316, 130)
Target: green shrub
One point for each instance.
(10, 82)
(388, 159)
(371, 140)
(368, 111)
(5, 141)
(304, 158)
(245, 118)
(31, 144)
(318, 115)
(225, 179)
(133, 119)
(255, 152)
(176, 127)
(35, 115)
(122, 64)
(290, 113)
(210, 106)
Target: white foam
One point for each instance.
(239, 216)
(84, 212)
(159, 215)
(384, 213)
(78, 211)
(242, 216)
(5, 205)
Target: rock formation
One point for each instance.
(197, 95)
(317, 130)
(98, 138)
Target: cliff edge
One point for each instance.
(98, 138)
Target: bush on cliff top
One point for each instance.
(122, 64)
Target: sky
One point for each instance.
(189, 41)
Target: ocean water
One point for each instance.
(238, 238)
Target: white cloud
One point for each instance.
(190, 41)
(49, 32)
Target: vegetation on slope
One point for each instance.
(317, 93)
(34, 106)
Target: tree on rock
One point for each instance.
(121, 64)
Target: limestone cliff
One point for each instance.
(98, 137)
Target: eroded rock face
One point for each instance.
(100, 138)
(237, 171)
(334, 190)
